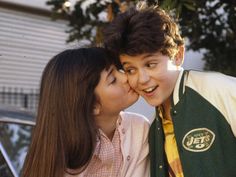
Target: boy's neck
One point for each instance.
(166, 106)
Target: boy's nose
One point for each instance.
(143, 77)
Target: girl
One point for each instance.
(80, 127)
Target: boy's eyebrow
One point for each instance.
(125, 63)
(148, 55)
(144, 57)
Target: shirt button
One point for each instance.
(158, 128)
(128, 157)
(123, 130)
(160, 166)
(174, 112)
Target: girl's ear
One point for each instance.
(179, 57)
(96, 109)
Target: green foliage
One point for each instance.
(212, 26)
(84, 19)
(208, 24)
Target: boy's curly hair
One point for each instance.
(143, 30)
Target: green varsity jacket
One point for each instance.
(204, 117)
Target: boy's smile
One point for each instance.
(153, 76)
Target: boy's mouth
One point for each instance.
(150, 89)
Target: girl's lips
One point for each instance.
(133, 91)
(130, 90)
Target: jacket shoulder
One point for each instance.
(219, 90)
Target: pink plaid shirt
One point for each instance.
(126, 155)
(107, 159)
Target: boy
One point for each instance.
(194, 132)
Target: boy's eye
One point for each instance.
(121, 71)
(129, 71)
(151, 65)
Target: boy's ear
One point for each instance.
(179, 57)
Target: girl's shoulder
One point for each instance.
(134, 118)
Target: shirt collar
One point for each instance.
(176, 89)
(98, 152)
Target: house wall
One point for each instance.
(27, 42)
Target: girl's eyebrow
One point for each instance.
(110, 70)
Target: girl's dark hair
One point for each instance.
(143, 30)
(65, 132)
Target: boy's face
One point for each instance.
(153, 76)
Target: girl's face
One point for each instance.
(113, 92)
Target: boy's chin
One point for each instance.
(152, 102)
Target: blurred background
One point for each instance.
(32, 31)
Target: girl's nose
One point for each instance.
(123, 77)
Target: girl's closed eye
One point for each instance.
(113, 80)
